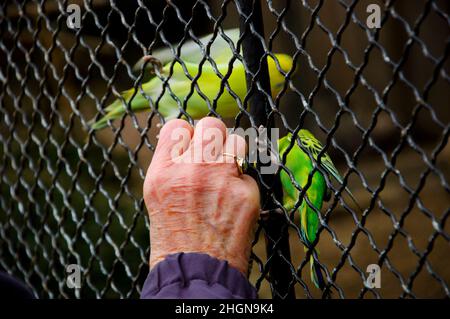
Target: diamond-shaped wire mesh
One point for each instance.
(378, 99)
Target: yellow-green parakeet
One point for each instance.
(208, 83)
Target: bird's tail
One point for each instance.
(316, 272)
(116, 109)
(308, 218)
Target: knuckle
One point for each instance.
(153, 182)
(211, 122)
(175, 123)
(252, 191)
(171, 128)
(236, 144)
(237, 139)
(249, 194)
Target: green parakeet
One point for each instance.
(300, 165)
(208, 83)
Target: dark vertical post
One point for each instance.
(275, 225)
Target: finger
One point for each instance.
(253, 194)
(207, 143)
(234, 145)
(174, 139)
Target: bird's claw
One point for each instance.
(264, 214)
(156, 63)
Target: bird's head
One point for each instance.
(278, 70)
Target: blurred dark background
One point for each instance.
(72, 197)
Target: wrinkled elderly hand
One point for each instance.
(196, 199)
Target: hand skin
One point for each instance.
(202, 206)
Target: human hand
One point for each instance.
(195, 196)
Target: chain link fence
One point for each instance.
(377, 99)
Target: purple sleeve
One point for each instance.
(193, 276)
(12, 288)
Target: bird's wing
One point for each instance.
(315, 147)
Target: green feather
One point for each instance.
(313, 146)
(172, 89)
(177, 92)
(299, 163)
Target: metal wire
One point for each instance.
(72, 195)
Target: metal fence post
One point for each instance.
(276, 232)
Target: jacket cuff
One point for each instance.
(195, 275)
